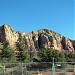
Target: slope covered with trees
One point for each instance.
(37, 46)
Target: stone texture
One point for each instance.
(40, 39)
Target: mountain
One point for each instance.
(36, 39)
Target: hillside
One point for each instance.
(40, 39)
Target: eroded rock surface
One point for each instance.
(37, 39)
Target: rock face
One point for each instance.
(7, 34)
(40, 39)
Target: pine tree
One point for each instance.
(23, 52)
(8, 54)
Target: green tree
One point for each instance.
(5, 44)
(47, 55)
(7, 54)
(24, 56)
(23, 52)
(61, 57)
(70, 56)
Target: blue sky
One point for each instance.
(28, 15)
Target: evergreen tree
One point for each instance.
(47, 55)
(8, 54)
(70, 56)
(23, 52)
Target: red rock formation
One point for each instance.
(37, 39)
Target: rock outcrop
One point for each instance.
(37, 39)
(8, 34)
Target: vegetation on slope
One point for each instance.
(43, 55)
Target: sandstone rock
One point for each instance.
(68, 45)
(37, 39)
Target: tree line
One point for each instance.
(42, 55)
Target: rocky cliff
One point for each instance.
(37, 39)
